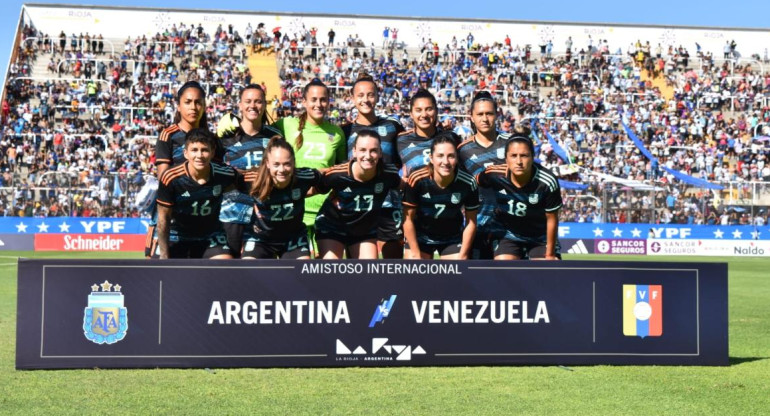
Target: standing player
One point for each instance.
(278, 192)
(365, 97)
(243, 149)
(414, 145)
(317, 143)
(349, 216)
(434, 200)
(169, 148)
(189, 198)
(527, 203)
(485, 148)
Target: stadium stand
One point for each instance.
(81, 112)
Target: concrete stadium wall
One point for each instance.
(116, 22)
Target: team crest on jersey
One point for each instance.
(217, 190)
(295, 194)
(105, 319)
(378, 188)
(534, 198)
(265, 142)
(456, 198)
(501, 153)
(382, 131)
(330, 136)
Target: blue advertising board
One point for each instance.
(571, 230)
(136, 313)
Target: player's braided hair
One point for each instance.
(262, 185)
(303, 117)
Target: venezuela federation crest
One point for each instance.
(105, 320)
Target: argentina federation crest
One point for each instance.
(501, 153)
(455, 198)
(105, 320)
(379, 187)
(296, 194)
(217, 190)
(534, 198)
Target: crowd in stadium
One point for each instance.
(99, 114)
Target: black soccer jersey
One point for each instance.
(414, 150)
(352, 207)
(244, 152)
(522, 210)
(170, 146)
(279, 217)
(195, 207)
(474, 158)
(387, 128)
(440, 210)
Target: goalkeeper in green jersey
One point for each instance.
(317, 143)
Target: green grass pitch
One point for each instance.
(742, 388)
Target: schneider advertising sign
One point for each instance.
(137, 313)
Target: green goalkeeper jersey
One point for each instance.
(323, 146)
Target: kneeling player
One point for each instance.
(349, 216)
(434, 199)
(279, 191)
(527, 203)
(189, 198)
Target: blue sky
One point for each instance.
(752, 14)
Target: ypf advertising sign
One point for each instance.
(136, 313)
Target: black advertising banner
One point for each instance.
(137, 313)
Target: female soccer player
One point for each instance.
(434, 200)
(317, 143)
(414, 145)
(348, 218)
(527, 203)
(278, 192)
(243, 149)
(189, 197)
(485, 148)
(169, 148)
(365, 97)
(190, 114)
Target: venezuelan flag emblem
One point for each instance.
(643, 310)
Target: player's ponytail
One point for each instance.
(300, 139)
(263, 183)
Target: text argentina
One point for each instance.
(479, 312)
(269, 312)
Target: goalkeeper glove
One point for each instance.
(227, 125)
